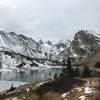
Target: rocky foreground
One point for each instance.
(60, 89)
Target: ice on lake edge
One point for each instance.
(4, 85)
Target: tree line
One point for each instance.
(69, 71)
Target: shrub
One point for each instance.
(77, 72)
(97, 65)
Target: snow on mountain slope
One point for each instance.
(97, 34)
(17, 51)
(17, 43)
(29, 47)
(84, 45)
(18, 62)
(60, 46)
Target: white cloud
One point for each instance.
(49, 19)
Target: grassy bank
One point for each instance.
(60, 89)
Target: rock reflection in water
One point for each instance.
(29, 76)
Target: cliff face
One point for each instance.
(84, 45)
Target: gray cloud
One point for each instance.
(49, 19)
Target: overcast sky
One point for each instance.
(49, 19)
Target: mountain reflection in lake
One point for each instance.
(29, 76)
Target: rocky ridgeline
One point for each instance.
(17, 50)
(84, 45)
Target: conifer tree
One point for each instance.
(77, 72)
(68, 70)
(86, 71)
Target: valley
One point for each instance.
(22, 59)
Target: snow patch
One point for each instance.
(64, 95)
(88, 84)
(79, 89)
(82, 97)
(41, 83)
(88, 90)
(14, 98)
(27, 89)
(75, 55)
(65, 99)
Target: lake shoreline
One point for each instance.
(60, 89)
(31, 69)
(9, 77)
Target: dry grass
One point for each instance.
(60, 85)
(51, 96)
(53, 90)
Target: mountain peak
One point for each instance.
(88, 32)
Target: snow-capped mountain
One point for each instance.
(84, 45)
(18, 43)
(19, 51)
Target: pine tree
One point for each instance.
(77, 72)
(86, 71)
(64, 71)
(68, 70)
